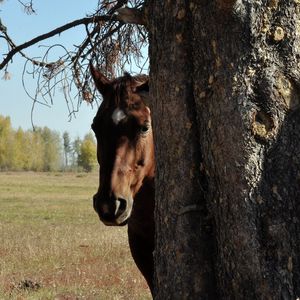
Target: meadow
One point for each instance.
(53, 246)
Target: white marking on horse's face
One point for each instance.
(118, 115)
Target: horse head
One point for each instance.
(125, 149)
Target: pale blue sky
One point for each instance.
(22, 27)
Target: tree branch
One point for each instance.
(126, 15)
(130, 15)
(112, 42)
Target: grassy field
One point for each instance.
(53, 246)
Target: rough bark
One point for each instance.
(226, 98)
(182, 222)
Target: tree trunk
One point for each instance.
(226, 98)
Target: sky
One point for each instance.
(22, 27)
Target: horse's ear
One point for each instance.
(143, 88)
(140, 83)
(101, 82)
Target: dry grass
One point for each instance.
(52, 245)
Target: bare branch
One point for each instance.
(115, 39)
(131, 16)
(52, 33)
(127, 15)
(28, 7)
(13, 46)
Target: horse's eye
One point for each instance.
(135, 106)
(145, 128)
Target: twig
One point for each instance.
(83, 21)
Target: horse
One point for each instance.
(125, 153)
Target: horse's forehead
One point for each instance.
(118, 115)
(115, 106)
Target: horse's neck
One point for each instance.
(144, 199)
(142, 218)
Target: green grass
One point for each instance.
(53, 246)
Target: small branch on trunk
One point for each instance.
(131, 16)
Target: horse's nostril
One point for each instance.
(111, 210)
(121, 205)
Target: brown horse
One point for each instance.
(125, 153)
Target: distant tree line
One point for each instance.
(44, 149)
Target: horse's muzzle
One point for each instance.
(112, 211)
